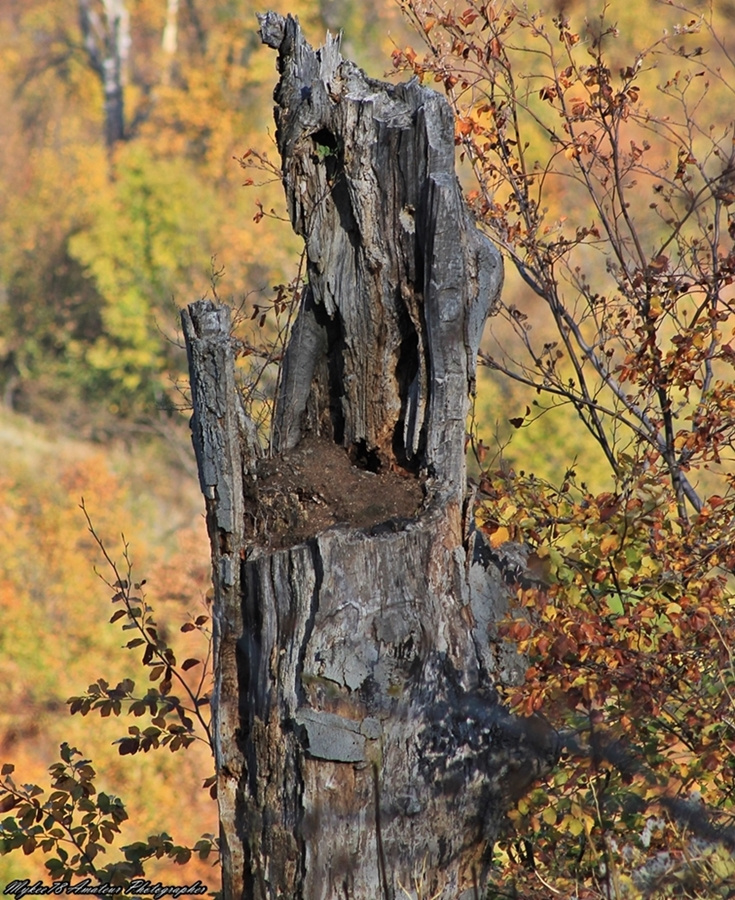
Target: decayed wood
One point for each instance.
(401, 280)
(226, 449)
(360, 745)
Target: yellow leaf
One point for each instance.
(573, 825)
(549, 816)
(499, 536)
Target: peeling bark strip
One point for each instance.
(224, 455)
(360, 747)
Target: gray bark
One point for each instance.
(360, 744)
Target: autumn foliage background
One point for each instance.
(596, 146)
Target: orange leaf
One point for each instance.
(608, 544)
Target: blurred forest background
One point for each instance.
(111, 219)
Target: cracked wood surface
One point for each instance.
(401, 281)
(359, 740)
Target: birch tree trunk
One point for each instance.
(105, 30)
(361, 750)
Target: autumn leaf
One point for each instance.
(499, 536)
(608, 544)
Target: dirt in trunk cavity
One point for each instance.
(315, 486)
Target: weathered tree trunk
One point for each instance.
(360, 746)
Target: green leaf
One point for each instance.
(549, 816)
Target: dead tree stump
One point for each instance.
(360, 746)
